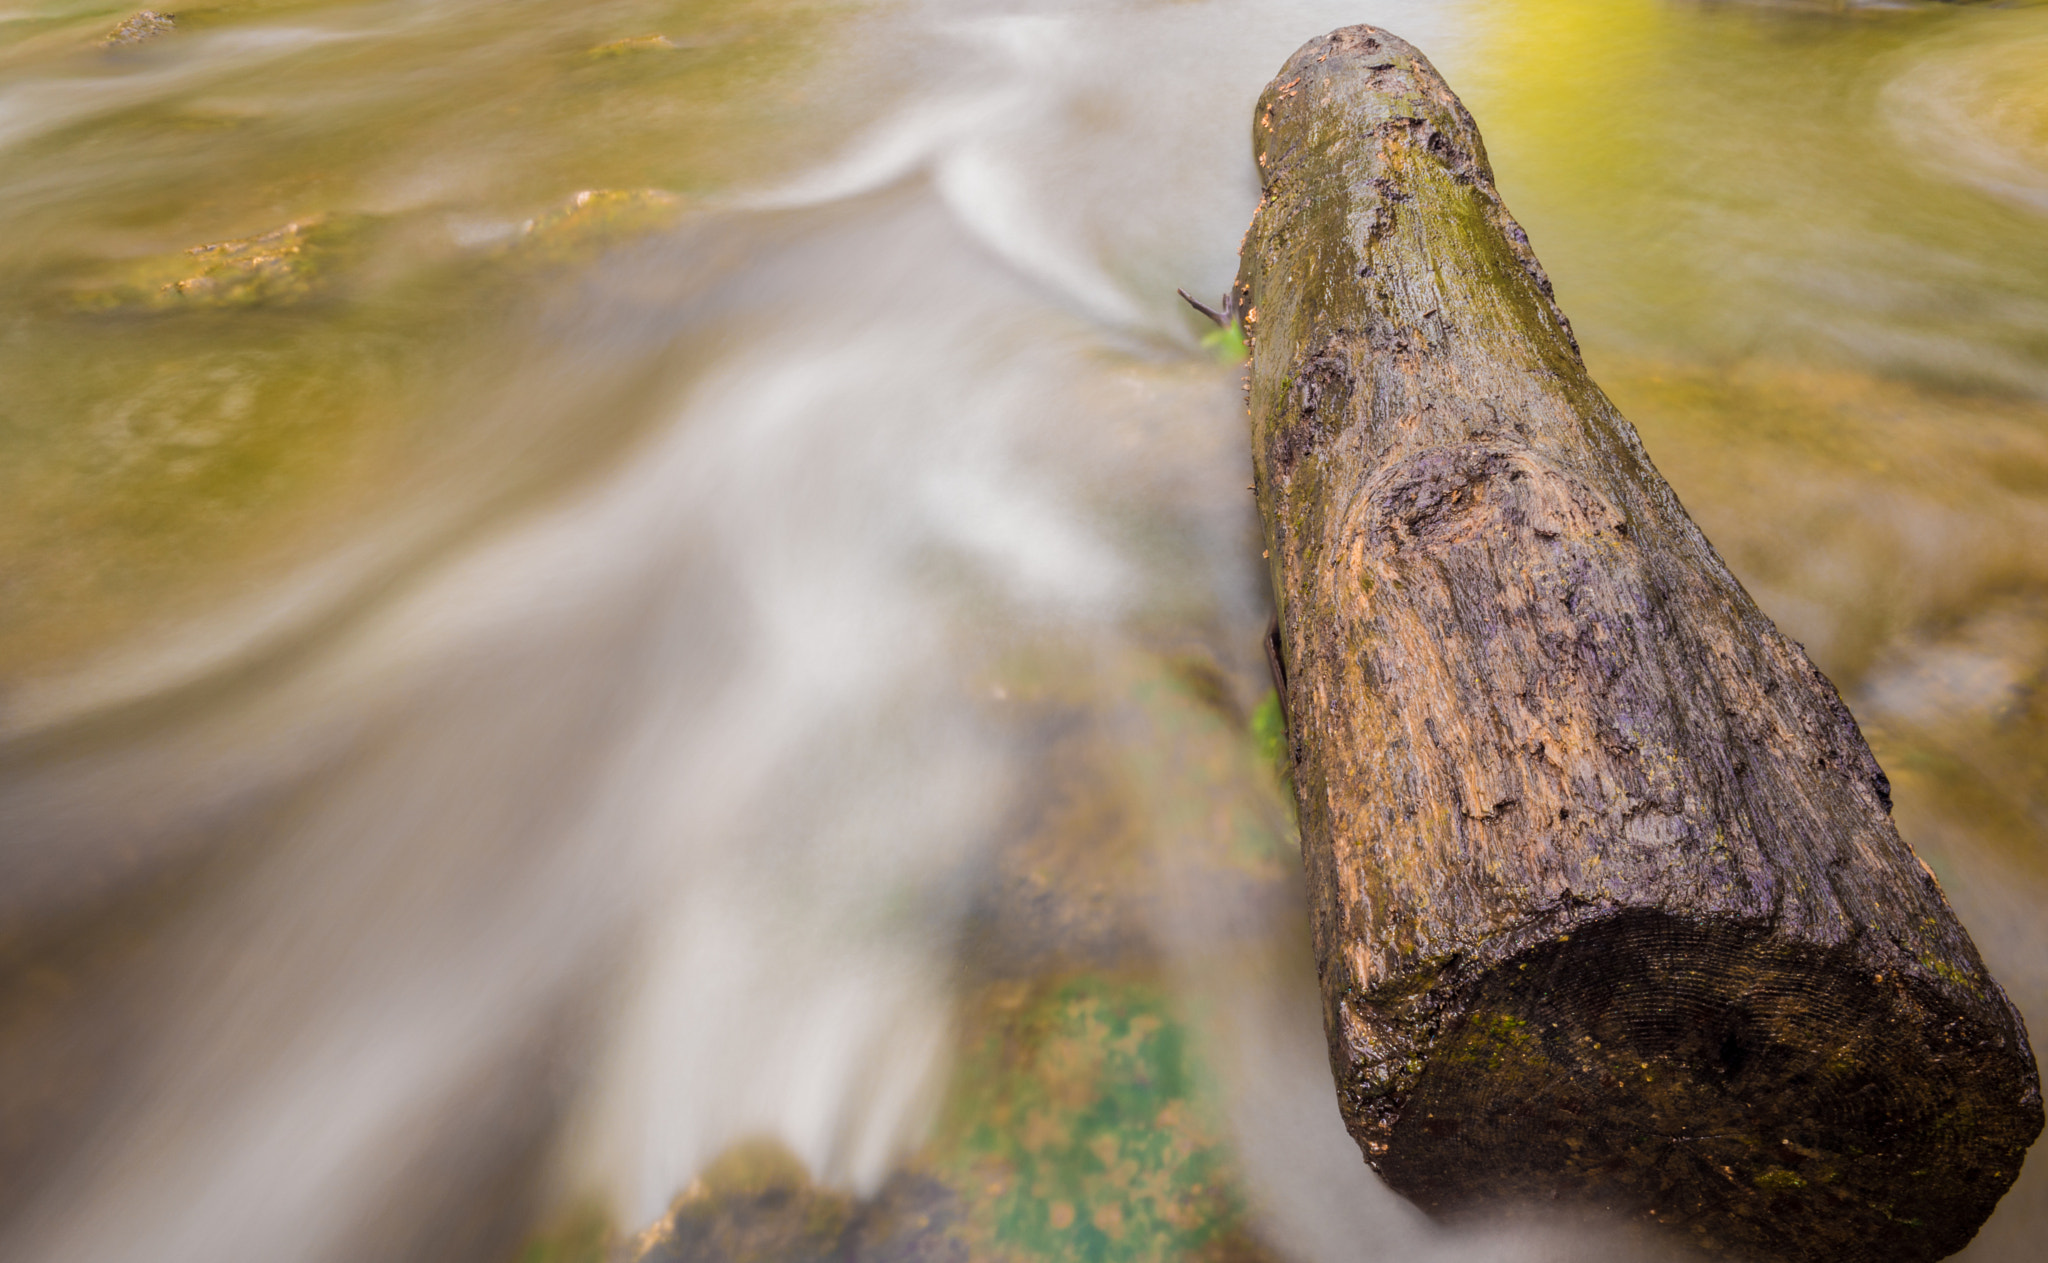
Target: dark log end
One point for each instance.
(1764, 1098)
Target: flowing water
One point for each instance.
(599, 599)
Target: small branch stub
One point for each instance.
(1608, 905)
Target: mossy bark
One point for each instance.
(1609, 907)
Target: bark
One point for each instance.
(1608, 903)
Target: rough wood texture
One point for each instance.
(1609, 906)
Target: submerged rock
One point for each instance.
(144, 26)
(301, 260)
(757, 1204)
(635, 44)
(593, 220)
(272, 265)
(285, 265)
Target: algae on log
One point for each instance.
(1609, 907)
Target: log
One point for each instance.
(1608, 905)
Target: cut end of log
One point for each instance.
(1765, 1099)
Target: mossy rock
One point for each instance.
(285, 265)
(757, 1204)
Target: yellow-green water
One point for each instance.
(166, 446)
(584, 585)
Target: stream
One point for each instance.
(634, 601)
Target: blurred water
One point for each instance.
(505, 694)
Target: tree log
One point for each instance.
(1608, 903)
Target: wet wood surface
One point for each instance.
(1609, 909)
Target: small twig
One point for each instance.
(1210, 312)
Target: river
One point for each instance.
(610, 601)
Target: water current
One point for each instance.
(599, 599)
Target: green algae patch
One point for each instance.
(1227, 344)
(1494, 1041)
(1084, 1128)
(1777, 1179)
(1948, 973)
(1269, 733)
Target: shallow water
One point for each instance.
(678, 576)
